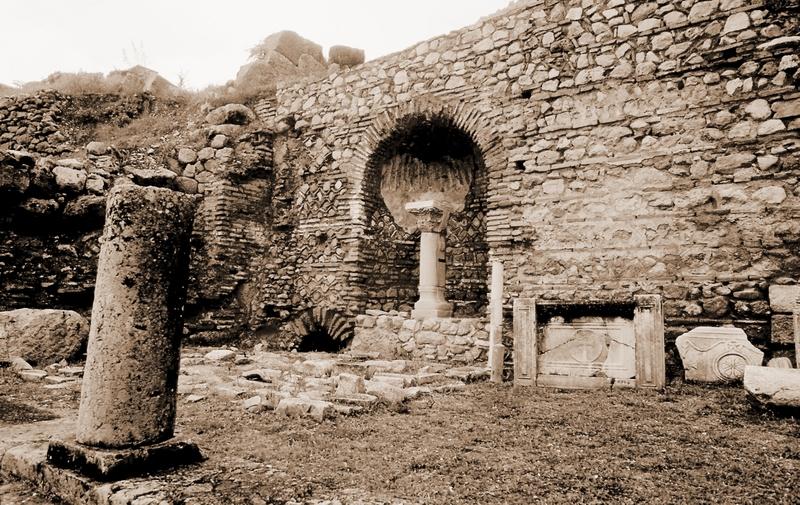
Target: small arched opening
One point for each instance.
(320, 329)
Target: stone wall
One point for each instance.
(620, 148)
(32, 123)
(396, 335)
(631, 147)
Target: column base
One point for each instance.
(427, 310)
(116, 464)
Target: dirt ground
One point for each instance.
(490, 444)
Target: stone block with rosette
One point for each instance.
(711, 354)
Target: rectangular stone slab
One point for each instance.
(588, 347)
(782, 299)
(116, 464)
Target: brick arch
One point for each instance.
(463, 116)
(387, 245)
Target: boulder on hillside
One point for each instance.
(346, 56)
(265, 72)
(42, 336)
(141, 79)
(280, 57)
(289, 44)
(233, 113)
(308, 66)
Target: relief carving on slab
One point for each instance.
(712, 354)
(588, 347)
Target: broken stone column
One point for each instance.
(127, 409)
(497, 350)
(432, 219)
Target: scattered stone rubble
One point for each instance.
(315, 385)
(312, 385)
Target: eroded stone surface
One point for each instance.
(42, 336)
(716, 354)
(773, 387)
(130, 384)
(588, 347)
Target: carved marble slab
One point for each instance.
(712, 354)
(588, 347)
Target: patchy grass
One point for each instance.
(490, 444)
(501, 445)
(27, 402)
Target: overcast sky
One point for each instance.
(206, 41)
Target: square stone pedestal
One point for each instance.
(117, 464)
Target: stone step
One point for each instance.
(430, 378)
(468, 374)
(32, 375)
(358, 399)
(453, 387)
(398, 379)
(347, 410)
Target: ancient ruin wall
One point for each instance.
(631, 147)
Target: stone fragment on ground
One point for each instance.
(316, 367)
(775, 388)
(386, 392)
(780, 363)
(33, 375)
(397, 379)
(347, 383)
(452, 387)
(468, 374)
(18, 363)
(304, 407)
(220, 355)
(379, 365)
(359, 399)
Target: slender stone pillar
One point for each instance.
(796, 320)
(497, 350)
(130, 381)
(648, 324)
(525, 342)
(431, 219)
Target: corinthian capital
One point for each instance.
(431, 215)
